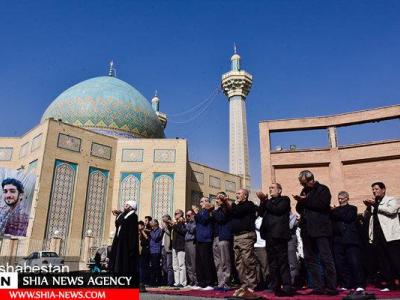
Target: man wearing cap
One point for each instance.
(126, 242)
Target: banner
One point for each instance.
(17, 189)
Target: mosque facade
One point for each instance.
(98, 144)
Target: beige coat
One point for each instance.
(388, 215)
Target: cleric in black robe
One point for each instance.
(118, 221)
(125, 248)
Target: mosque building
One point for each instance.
(98, 144)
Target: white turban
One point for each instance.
(132, 204)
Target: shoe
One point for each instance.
(342, 289)
(207, 288)
(195, 287)
(238, 292)
(247, 294)
(330, 292)
(385, 290)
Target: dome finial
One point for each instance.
(155, 102)
(112, 71)
(235, 59)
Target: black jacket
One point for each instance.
(243, 217)
(315, 211)
(178, 236)
(345, 229)
(223, 222)
(275, 213)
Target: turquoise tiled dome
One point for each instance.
(108, 105)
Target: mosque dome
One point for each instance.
(107, 105)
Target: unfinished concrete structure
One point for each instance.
(351, 167)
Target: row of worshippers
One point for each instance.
(223, 244)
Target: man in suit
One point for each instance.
(384, 232)
(275, 230)
(313, 205)
(346, 244)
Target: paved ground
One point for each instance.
(149, 296)
(168, 294)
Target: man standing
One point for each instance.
(261, 256)
(275, 230)
(346, 244)
(292, 249)
(204, 232)
(222, 258)
(244, 237)
(127, 245)
(384, 232)
(178, 249)
(166, 251)
(144, 256)
(13, 218)
(190, 249)
(155, 252)
(313, 205)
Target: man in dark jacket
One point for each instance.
(346, 243)
(204, 233)
(144, 255)
(178, 249)
(222, 256)
(190, 249)
(244, 237)
(156, 236)
(313, 205)
(275, 230)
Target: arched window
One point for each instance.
(163, 191)
(129, 188)
(95, 202)
(59, 215)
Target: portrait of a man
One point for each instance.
(13, 216)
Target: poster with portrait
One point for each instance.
(16, 195)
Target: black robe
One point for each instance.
(126, 247)
(112, 254)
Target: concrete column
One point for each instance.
(87, 245)
(332, 137)
(267, 171)
(336, 174)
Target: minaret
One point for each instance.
(155, 103)
(236, 85)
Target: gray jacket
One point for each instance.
(191, 231)
(166, 240)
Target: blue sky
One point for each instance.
(307, 58)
